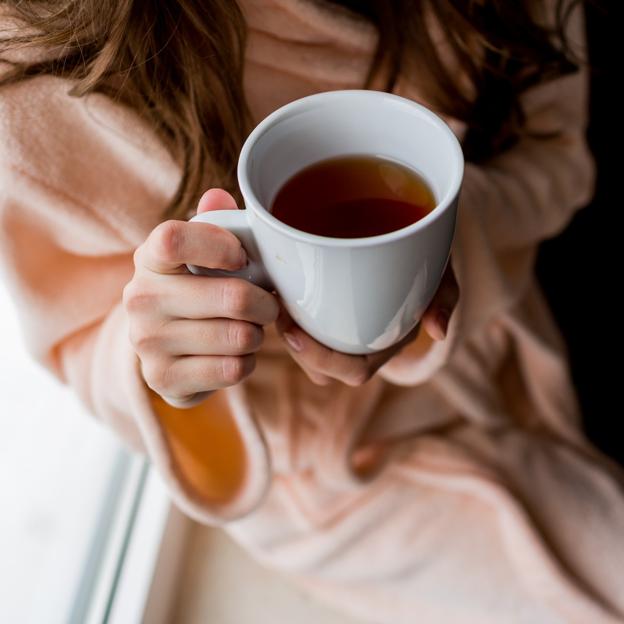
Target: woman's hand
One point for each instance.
(194, 334)
(323, 364)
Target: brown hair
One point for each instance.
(180, 65)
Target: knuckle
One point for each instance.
(127, 293)
(318, 379)
(168, 239)
(142, 340)
(157, 374)
(235, 368)
(323, 360)
(236, 297)
(137, 256)
(245, 336)
(226, 249)
(358, 376)
(136, 298)
(139, 302)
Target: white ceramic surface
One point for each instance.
(356, 295)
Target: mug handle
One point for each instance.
(236, 222)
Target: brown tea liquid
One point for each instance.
(353, 196)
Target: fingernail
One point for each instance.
(294, 342)
(244, 259)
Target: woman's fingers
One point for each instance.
(437, 315)
(319, 362)
(181, 378)
(193, 333)
(216, 199)
(322, 364)
(204, 297)
(219, 336)
(173, 244)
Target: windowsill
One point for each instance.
(85, 518)
(215, 571)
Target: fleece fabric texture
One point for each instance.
(455, 485)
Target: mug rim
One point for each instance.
(308, 101)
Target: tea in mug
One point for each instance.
(353, 196)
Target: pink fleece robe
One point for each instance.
(486, 503)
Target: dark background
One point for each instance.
(577, 269)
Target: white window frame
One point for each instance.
(128, 563)
(146, 583)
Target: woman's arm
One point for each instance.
(68, 300)
(77, 197)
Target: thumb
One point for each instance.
(216, 199)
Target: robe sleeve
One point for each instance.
(76, 199)
(507, 205)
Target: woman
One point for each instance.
(447, 481)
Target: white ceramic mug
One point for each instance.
(355, 295)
